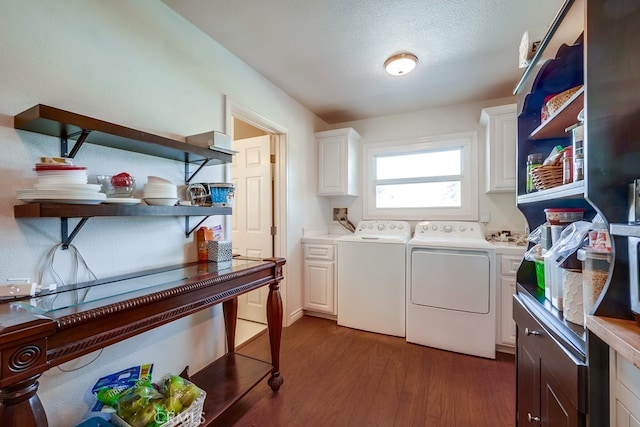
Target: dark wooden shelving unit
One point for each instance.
(563, 369)
(67, 125)
(56, 210)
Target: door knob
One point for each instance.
(528, 332)
(531, 418)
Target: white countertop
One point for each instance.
(509, 248)
(322, 239)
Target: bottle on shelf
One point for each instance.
(533, 161)
(567, 165)
(578, 152)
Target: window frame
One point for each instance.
(467, 141)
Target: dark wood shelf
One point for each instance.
(567, 115)
(227, 380)
(64, 124)
(573, 337)
(63, 210)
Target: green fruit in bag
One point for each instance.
(189, 394)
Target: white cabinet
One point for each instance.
(624, 392)
(320, 276)
(506, 326)
(338, 162)
(500, 139)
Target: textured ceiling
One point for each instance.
(329, 54)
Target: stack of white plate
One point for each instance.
(160, 192)
(62, 183)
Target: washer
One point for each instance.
(371, 277)
(451, 276)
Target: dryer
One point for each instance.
(451, 288)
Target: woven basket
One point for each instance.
(548, 176)
(558, 101)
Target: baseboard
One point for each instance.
(505, 349)
(322, 315)
(295, 316)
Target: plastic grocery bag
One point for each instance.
(571, 239)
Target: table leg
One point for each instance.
(274, 323)
(230, 310)
(20, 405)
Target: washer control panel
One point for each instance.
(383, 228)
(449, 229)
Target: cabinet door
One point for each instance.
(507, 326)
(337, 162)
(319, 286)
(500, 142)
(556, 408)
(625, 391)
(528, 384)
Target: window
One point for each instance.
(425, 178)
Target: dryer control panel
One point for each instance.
(450, 229)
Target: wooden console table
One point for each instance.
(40, 333)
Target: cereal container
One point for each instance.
(595, 271)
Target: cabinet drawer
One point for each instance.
(323, 252)
(568, 372)
(509, 264)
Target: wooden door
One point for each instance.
(252, 217)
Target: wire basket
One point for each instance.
(191, 417)
(545, 177)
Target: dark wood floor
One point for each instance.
(336, 376)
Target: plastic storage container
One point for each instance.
(540, 273)
(595, 271)
(222, 194)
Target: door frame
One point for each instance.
(280, 134)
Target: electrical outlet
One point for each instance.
(339, 214)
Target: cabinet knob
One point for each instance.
(528, 332)
(531, 418)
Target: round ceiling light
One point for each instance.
(400, 64)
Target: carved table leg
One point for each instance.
(20, 406)
(230, 310)
(274, 323)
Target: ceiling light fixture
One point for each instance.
(400, 64)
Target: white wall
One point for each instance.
(138, 64)
(438, 121)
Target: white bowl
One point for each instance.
(161, 201)
(157, 180)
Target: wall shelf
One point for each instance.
(566, 116)
(64, 124)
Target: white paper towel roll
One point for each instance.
(528, 46)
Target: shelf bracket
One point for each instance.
(64, 143)
(64, 231)
(188, 178)
(187, 231)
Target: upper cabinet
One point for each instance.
(338, 162)
(500, 140)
